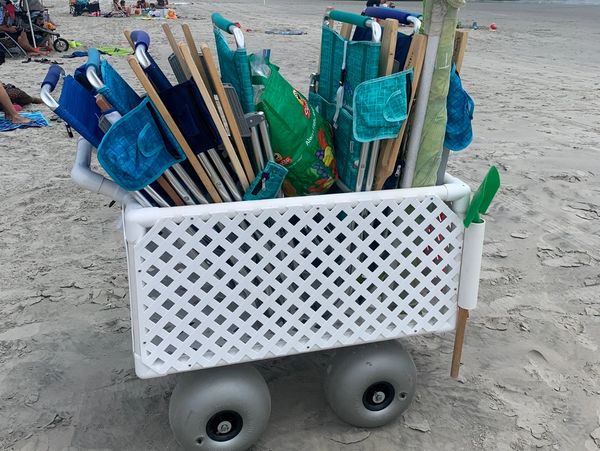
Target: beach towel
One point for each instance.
(37, 120)
(114, 51)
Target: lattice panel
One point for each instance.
(237, 287)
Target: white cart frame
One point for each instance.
(220, 284)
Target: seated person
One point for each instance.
(17, 34)
(142, 4)
(11, 12)
(9, 110)
(162, 3)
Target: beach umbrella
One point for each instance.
(425, 143)
(30, 23)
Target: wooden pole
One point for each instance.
(175, 49)
(459, 338)
(211, 69)
(128, 37)
(388, 47)
(166, 186)
(160, 106)
(233, 157)
(189, 39)
(460, 46)
(391, 148)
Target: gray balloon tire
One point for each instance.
(353, 370)
(200, 395)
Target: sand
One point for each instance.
(531, 369)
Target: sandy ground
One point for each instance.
(531, 372)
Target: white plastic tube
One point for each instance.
(83, 176)
(470, 268)
(454, 191)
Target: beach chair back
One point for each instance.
(344, 65)
(108, 82)
(234, 65)
(76, 105)
(403, 41)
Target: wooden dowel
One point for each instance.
(166, 186)
(175, 49)
(227, 110)
(233, 157)
(459, 338)
(189, 39)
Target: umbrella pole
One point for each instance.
(30, 24)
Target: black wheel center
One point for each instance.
(224, 425)
(378, 396)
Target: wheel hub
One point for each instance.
(378, 396)
(224, 425)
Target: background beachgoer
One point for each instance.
(9, 110)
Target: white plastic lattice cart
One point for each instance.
(223, 284)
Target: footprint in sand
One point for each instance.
(576, 328)
(540, 368)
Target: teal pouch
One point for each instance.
(138, 148)
(380, 106)
(267, 183)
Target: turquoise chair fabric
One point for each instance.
(116, 90)
(380, 107)
(138, 148)
(235, 69)
(362, 64)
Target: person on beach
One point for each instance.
(18, 34)
(19, 96)
(9, 110)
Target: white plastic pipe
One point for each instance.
(30, 23)
(470, 268)
(83, 176)
(147, 217)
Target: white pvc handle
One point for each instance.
(83, 176)
(470, 269)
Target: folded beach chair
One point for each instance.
(10, 46)
(362, 107)
(120, 96)
(235, 66)
(403, 40)
(193, 111)
(136, 154)
(235, 94)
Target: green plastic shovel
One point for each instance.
(483, 197)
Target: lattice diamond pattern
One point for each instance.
(246, 286)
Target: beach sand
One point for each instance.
(531, 368)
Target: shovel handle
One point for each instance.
(220, 22)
